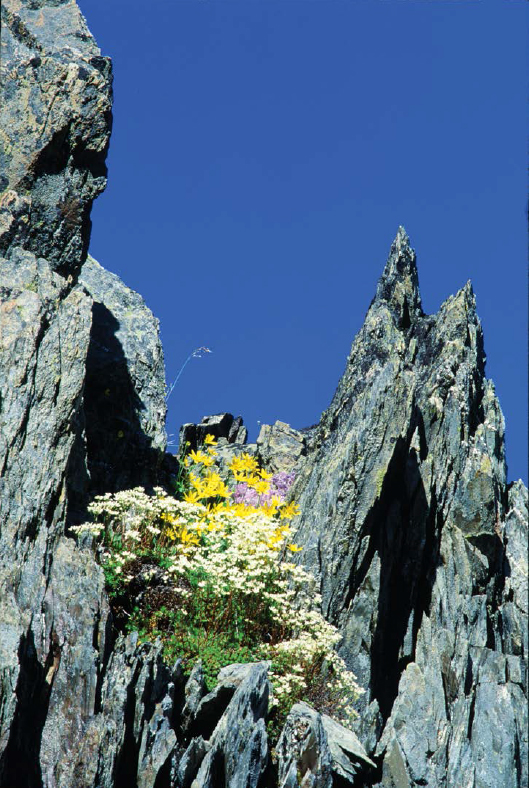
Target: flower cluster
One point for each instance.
(278, 486)
(217, 580)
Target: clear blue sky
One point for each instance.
(264, 153)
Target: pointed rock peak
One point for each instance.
(399, 284)
(464, 302)
(468, 293)
(402, 239)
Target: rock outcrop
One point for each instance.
(314, 750)
(407, 521)
(225, 429)
(56, 122)
(61, 319)
(124, 397)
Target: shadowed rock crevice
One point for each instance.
(20, 763)
(210, 710)
(124, 406)
(163, 779)
(126, 766)
(402, 528)
(115, 442)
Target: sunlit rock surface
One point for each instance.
(419, 544)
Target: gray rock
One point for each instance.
(226, 429)
(55, 630)
(417, 542)
(47, 627)
(238, 747)
(195, 690)
(314, 751)
(512, 614)
(221, 721)
(55, 127)
(404, 521)
(280, 447)
(190, 761)
(124, 398)
(349, 758)
(304, 758)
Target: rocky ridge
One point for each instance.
(406, 518)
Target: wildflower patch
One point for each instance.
(211, 575)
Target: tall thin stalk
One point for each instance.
(197, 353)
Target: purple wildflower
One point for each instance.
(246, 495)
(280, 484)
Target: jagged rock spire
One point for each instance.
(399, 283)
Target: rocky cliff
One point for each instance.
(417, 541)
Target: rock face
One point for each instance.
(124, 398)
(224, 428)
(418, 543)
(316, 751)
(59, 315)
(407, 520)
(280, 447)
(56, 119)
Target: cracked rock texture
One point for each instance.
(54, 130)
(420, 545)
(407, 521)
(314, 750)
(55, 633)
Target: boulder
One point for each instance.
(315, 751)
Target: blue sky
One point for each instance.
(264, 153)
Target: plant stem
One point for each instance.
(196, 353)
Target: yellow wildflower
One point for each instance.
(215, 486)
(239, 476)
(269, 508)
(275, 541)
(223, 491)
(191, 497)
(240, 509)
(236, 465)
(188, 538)
(210, 440)
(249, 462)
(198, 456)
(264, 474)
(294, 548)
(289, 511)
